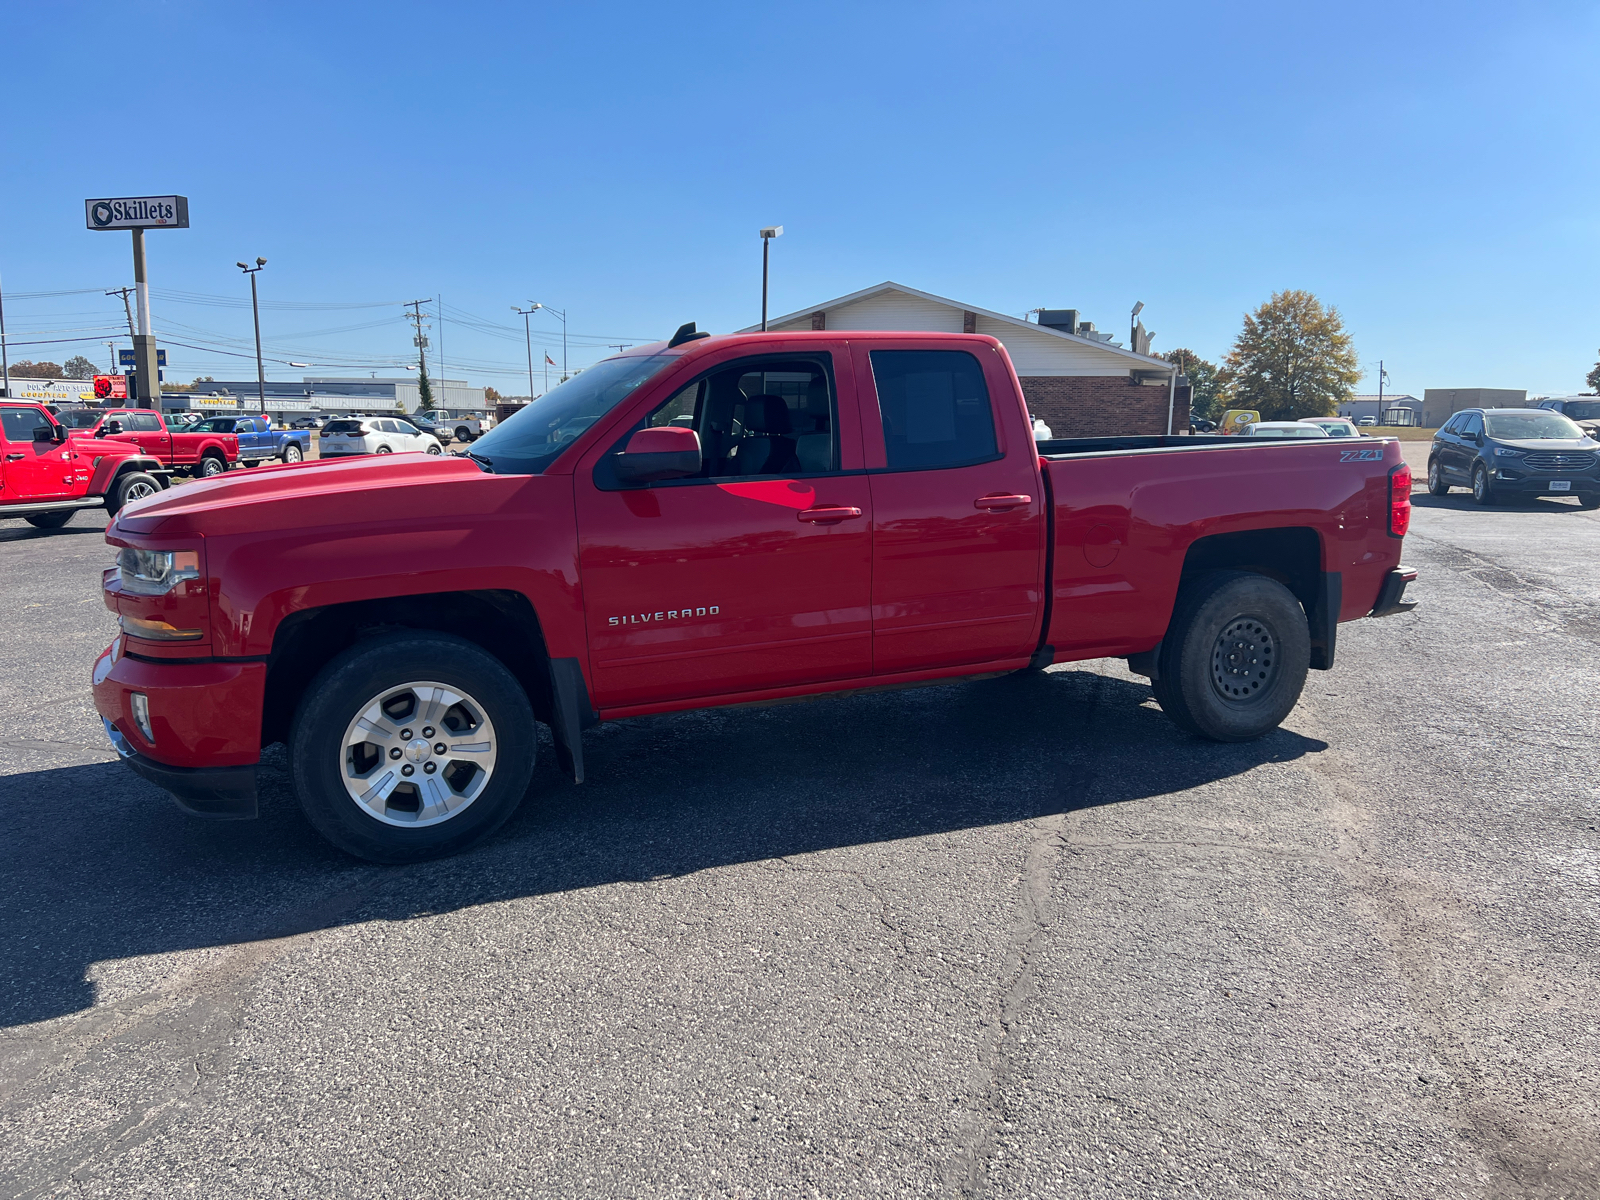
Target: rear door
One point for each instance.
(756, 573)
(959, 522)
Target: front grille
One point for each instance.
(1579, 460)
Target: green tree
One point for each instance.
(1593, 377)
(79, 367)
(424, 389)
(1292, 359)
(1206, 380)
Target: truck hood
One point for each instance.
(1549, 444)
(308, 496)
(85, 443)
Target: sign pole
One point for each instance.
(144, 342)
(5, 363)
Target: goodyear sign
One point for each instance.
(138, 212)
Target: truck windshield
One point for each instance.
(1582, 410)
(1531, 426)
(529, 442)
(80, 418)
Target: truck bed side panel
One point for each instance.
(1125, 521)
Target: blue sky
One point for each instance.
(1431, 170)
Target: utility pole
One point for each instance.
(126, 307)
(619, 347)
(255, 309)
(527, 336)
(111, 354)
(1380, 392)
(5, 361)
(440, 302)
(420, 341)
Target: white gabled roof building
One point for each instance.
(1079, 382)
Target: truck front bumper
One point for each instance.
(196, 731)
(221, 793)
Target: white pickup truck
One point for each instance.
(468, 428)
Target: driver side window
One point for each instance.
(760, 417)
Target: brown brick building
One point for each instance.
(1074, 379)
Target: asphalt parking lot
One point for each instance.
(1013, 938)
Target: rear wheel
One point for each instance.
(463, 434)
(50, 520)
(1482, 490)
(135, 485)
(1235, 658)
(411, 746)
(291, 453)
(211, 465)
(1436, 483)
(383, 450)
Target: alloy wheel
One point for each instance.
(418, 754)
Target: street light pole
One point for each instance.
(527, 336)
(255, 311)
(5, 362)
(767, 234)
(560, 313)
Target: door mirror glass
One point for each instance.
(665, 452)
(113, 428)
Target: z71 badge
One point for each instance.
(1361, 455)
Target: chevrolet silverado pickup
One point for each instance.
(49, 472)
(713, 521)
(178, 447)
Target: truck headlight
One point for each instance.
(156, 572)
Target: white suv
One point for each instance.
(349, 436)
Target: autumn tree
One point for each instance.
(79, 367)
(1292, 359)
(26, 369)
(1593, 377)
(490, 396)
(1205, 378)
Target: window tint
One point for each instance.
(340, 428)
(1472, 425)
(766, 416)
(935, 408)
(19, 423)
(141, 422)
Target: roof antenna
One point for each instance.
(685, 333)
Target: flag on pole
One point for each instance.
(550, 361)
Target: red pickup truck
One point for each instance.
(205, 453)
(48, 472)
(714, 521)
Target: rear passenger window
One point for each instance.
(142, 422)
(935, 409)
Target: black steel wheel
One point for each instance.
(1234, 659)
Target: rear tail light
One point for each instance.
(1399, 500)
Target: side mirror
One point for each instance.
(113, 428)
(667, 452)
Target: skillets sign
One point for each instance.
(138, 212)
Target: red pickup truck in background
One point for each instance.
(48, 472)
(714, 521)
(204, 454)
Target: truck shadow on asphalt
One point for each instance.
(99, 865)
(23, 532)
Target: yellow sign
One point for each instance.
(1235, 419)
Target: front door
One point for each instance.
(958, 512)
(35, 469)
(756, 573)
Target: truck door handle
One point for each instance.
(828, 514)
(13, 457)
(1001, 502)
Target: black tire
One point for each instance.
(135, 485)
(50, 520)
(1235, 657)
(375, 671)
(463, 434)
(383, 450)
(210, 467)
(292, 453)
(1482, 488)
(252, 462)
(435, 448)
(1436, 481)
(1589, 500)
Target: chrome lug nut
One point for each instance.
(430, 767)
(405, 735)
(408, 769)
(427, 731)
(440, 748)
(395, 752)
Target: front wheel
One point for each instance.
(50, 520)
(291, 453)
(1235, 658)
(1436, 483)
(1589, 500)
(435, 449)
(135, 485)
(411, 746)
(1482, 492)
